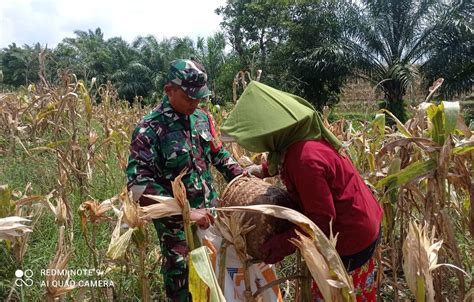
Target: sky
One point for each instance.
(49, 21)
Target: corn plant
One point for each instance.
(421, 171)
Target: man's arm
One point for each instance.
(221, 158)
(226, 164)
(141, 169)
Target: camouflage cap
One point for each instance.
(190, 76)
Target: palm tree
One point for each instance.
(390, 41)
(183, 48)
(158, 55)
(134, 81)
(20, 64)
(211, 53)
(119, 54)
(453, 53)
(90, 53)
(150, 55)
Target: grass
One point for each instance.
(351, 115)
(19, 170)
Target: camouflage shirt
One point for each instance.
(164, 143)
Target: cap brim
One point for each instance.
(198, 92)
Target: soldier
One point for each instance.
(174, 136)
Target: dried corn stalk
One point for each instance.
(119, 242)
(59, 263)
(420, 256)
(129, 214)
(318, 267)
(136, 217)
(96, 211)
(59, 210)
(320, 247)
(130, 211)
(179, 192)
(202, 281)
(233, 228)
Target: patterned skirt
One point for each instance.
(364, 283)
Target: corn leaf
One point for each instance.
(420, 289)
(118, 248)
(197, 287)
(435, 116)
(378, 124)
(415, 170)
(280, 212)
(462, 150)
(403, 130)
(390, 205)
(463, 147)
(451, 113)
(316, 265)
(87, 100)
(201, 263)
(444, 119)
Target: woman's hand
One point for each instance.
(202, 217)
(255, 170)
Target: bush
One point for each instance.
(468, 110)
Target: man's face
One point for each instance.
(180, 101)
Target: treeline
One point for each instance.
(136, 69)
(307, 47)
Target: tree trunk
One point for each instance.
(237, 43)
(263, 48)
(394, 102)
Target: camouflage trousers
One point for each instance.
(174, 251)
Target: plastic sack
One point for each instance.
(231, 279)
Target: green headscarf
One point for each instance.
(267, 119)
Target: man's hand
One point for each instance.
(255, 170)
(202, 217)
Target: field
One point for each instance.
(62, 153)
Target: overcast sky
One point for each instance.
(49, 21)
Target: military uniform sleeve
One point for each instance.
(226, 164)
(141, 168)
(221, 158)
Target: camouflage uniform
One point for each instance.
(163, 144)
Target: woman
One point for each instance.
(321, 180)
